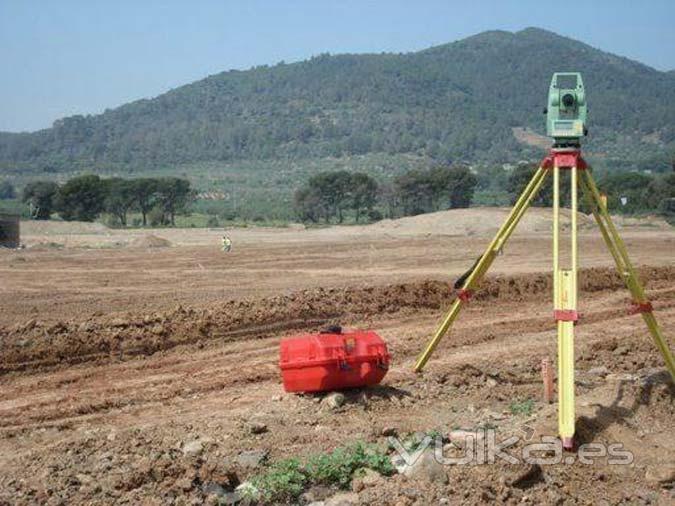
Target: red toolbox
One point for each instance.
(332, 360)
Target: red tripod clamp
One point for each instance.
(464, 295)
(565, 315)
(564, 160)
(640, 307)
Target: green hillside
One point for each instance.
(456, 102)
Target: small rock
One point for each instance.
(621, 350)
(343, 499)
(601, 371)
(389, 431)
(366, 478)
(83, 478)
(211, 488)
(491, 382)
(257, 428)
(461, 438)
(251, 459)
(621, 377)
(371, 478)
(334, 400)
(86, 327)
(426, 468)
(497, 416)
(184, 484)
(316, 495)
(193, 448)
(119, 323)
(246, 489)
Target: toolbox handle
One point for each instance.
(331, 329)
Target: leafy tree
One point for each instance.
(81, 198)
(388, 199)
(364, 193)
(119, 198)
(308, 204)
(41, 196)
(631, 186)
(7, 190)
(455, 184)
(328, 194)
(173, 195)
(442, 187)
(333, 189)
(144, 191)
(415, 192)
(660, 191)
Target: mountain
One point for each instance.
(459, 101)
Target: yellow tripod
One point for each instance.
(564, 280)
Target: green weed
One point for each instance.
(285, 480)
(525, 407)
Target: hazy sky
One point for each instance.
(64, 57)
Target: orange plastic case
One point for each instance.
(332, 361)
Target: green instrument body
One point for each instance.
(566, 111)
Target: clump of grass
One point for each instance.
(285, 480)
(525, 407)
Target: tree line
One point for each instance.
(85, 198)
(328, 195)
(334, 196)
(627, 192)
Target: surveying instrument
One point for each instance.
(566, 124)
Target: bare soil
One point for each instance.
(112, 358)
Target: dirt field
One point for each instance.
(116, 356)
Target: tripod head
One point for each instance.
(566, 111)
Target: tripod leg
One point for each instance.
(484, 263)
(565, 311)
(618, 250)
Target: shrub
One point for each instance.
(337, 467)
(285, 480)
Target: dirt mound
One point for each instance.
(34, 344)
(474, 222)
(150, 241)
(54, 227)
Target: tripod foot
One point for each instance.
(568, 443)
